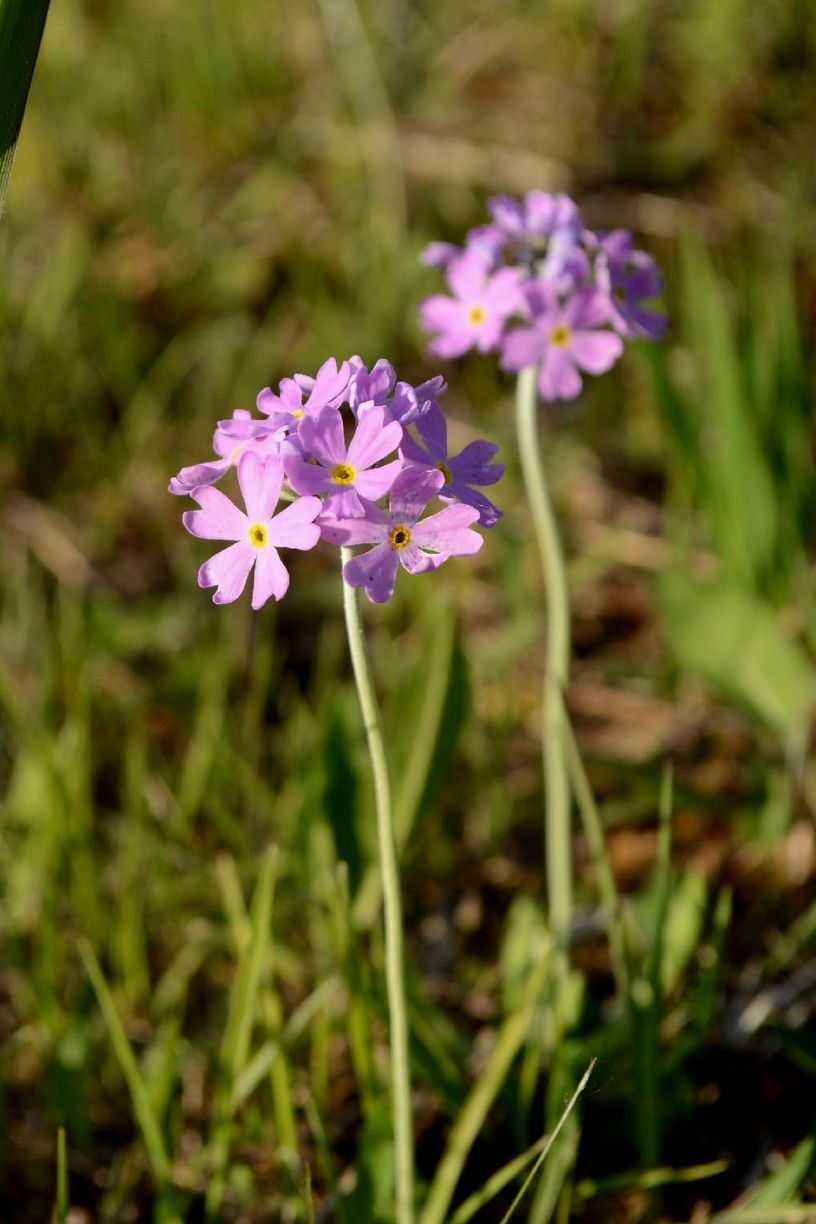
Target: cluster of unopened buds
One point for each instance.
(539, 288)
(333, 447)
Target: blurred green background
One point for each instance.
(206, 198)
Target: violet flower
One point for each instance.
(401, 538)
(345, 473)
(257, 534)
(563, 340)
(471, 466)
(476, 314)
(628, 277)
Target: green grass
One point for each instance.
(202, 203)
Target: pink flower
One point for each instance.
(476, 314)
(257, 534)
(401, 540)
(346, 473)
(563, 340)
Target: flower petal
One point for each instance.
(295, 526)
(376, 482)
(218, 518)
(375, 570)
(260, 481)
(449, 531)
(371, 528)
(190, 478)
(305, 477)
(522, 347)
(323, 437)
(271, 576)
(596, 351)
(411, 492)
(489, 514)
(376, 436)
(558, 377)
(228, 570)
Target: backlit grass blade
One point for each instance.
(543, 1155)
(484, 1092)
(21, 28)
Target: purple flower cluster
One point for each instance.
(335, 445)
(539, 288)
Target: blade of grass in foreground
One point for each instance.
(483, 1094)
(543, 1155)
(21, 28)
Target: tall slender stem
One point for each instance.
(392, 906)
(556, 674)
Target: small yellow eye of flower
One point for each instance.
(399, 537)
(560, 336)
(257, 535)
(343, 474)
(446, 472)
(476, 315)
(234, 454)
(298, 413)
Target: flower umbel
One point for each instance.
(569, 280)
(301, 438)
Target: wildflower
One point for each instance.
(628, 277)
(544, 230)
(346, 473)
(563, 339)
(471, 466)
(230, 440)
(379, 386)
(476, 314)
(401, 538)
(328, 387)
(257, 534)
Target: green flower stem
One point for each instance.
(392, 905)
(556, 674)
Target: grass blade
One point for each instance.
(21, 28)
(543, 1155)
(234, 1051)
(474, 1111)
(142, 1107)
(61, 1213)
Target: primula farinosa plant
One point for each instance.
(359, 461)
(556, 301)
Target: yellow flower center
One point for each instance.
(560, 335)
(445, 470)
(298, 413)
(257, 535)
(476, 315)
(399, 537)
(343, 474)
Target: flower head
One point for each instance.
(401, 538)
(474, 317)
(563, 340)
(345, 473)
(569, 282)
(471, 466)
(257, 534)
